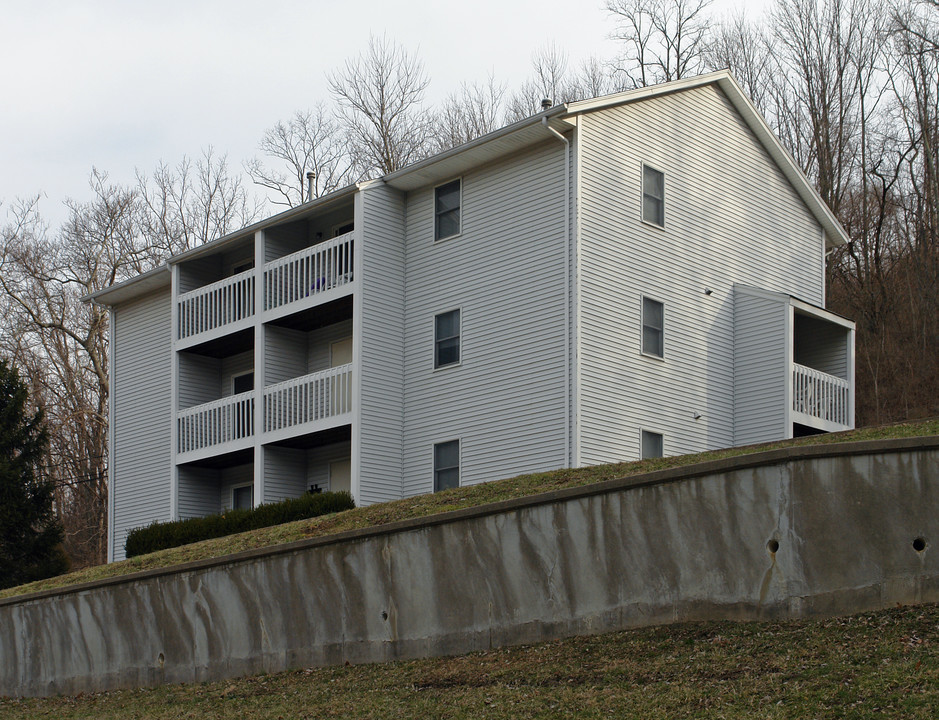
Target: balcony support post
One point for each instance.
(260, 353)
(174, 393)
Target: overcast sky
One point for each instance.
(122, 84)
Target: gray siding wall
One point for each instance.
(318, 460)
(199, 380)
(284, 473)
(730, 217)
(141, 422)
(198, 492)
(199, 272)
(821, 345)
(381, 352)
(286, 354)
(760, 330)
(232, 477)
(319, 341)
(235, 365)
(507, 272)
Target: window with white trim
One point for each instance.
(446, 465)
(652, 445)
(447, 339)
(653, 327)
(447, 200)
(653, 196)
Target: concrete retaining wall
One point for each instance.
(675, 545)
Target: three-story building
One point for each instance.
(634, 275)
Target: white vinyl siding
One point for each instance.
(199, 380)
(760, 331)
(508, 272)
(198, 492)
(142, 413)
(286, 354)
(235, 365)
(230, 478)
(284, 473)
(318, 460)
(732, 217)
(380, 359)
(320, 341)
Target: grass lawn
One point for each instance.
(430, 504)
(872, 665)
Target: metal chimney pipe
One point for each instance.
(546, 103)
(310, 177)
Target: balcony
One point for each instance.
(309, 272)
(311, 399)
(309, 403)
(293, 282)
(216, 305)
(821, 400)
(219, 424)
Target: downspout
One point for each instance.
(571, 369)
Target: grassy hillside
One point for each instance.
(424, 505)
(873, 665)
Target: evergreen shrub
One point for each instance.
(163, 535)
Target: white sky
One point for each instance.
(123, 84)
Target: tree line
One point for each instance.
(851, 87)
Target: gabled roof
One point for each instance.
(834, 233)
(511, 138)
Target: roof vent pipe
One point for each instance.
(310, 176)
(545, 103)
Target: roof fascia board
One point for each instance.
(554, 114)
(285, 216)
(138, 285)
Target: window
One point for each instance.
(242, 383)
(653, 196)
(653, 328)
(446, 465)
(651, 445)
(242, 498)
(447, 210)
(447, 339)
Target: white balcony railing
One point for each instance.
(216, 305)
(216, 423)
(317, 396)
(820, 395)
(308, 272)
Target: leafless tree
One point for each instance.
(476, 110)
(309, 142)
(63, 342)
(192, 203)
(827, 53)
(380, 96)
(551, 80)
(741, 46)
(121, 232)
(664, 39)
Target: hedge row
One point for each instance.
(159, 536)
